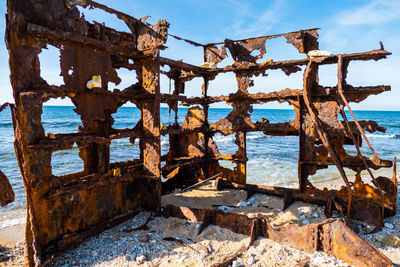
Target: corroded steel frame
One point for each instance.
(62, 211)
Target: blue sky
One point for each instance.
(346, 27)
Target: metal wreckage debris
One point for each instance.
(63, 210)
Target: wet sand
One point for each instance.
(12, 236)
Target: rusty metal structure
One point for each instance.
(62, 211)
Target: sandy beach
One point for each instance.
(12, 236)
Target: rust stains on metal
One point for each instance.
(62, 211)
(304, 41)
(213, 54)
(241, 50)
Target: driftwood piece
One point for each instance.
(201, 182)
(180, 241)
(227, 260)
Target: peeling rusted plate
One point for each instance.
(304, 41)
(213, 54)
(301, 237)
(340, 241)
(241, 50)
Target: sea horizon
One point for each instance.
(185, 107)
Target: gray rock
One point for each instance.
(144, 238)
(242, 204)
(224, 209)
(250, 261)
(335, 214)
(237, 264)
(140, 259)
(254, 204)
(388, 240)
(367, 229)
(389, 225)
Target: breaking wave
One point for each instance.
(12, 222)
(393, 136)
(5, 124)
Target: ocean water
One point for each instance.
(272, 159)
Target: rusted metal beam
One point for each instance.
(183, 66)
(373, 54)
(268, 36)
(64, 141)
(59, 37)
(275, 129)
(186, 40)
(331, 236)
(321, 197)
(284, 95)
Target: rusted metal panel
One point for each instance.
(213, 54)
(304, 41)
(241, 50)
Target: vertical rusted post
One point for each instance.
(24, 73)
(240, 140)
(150, 147)
(302, 168)
(205, 123)
(150, 114)
(241, 111)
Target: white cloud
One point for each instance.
(374, 13)
(257, 22)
